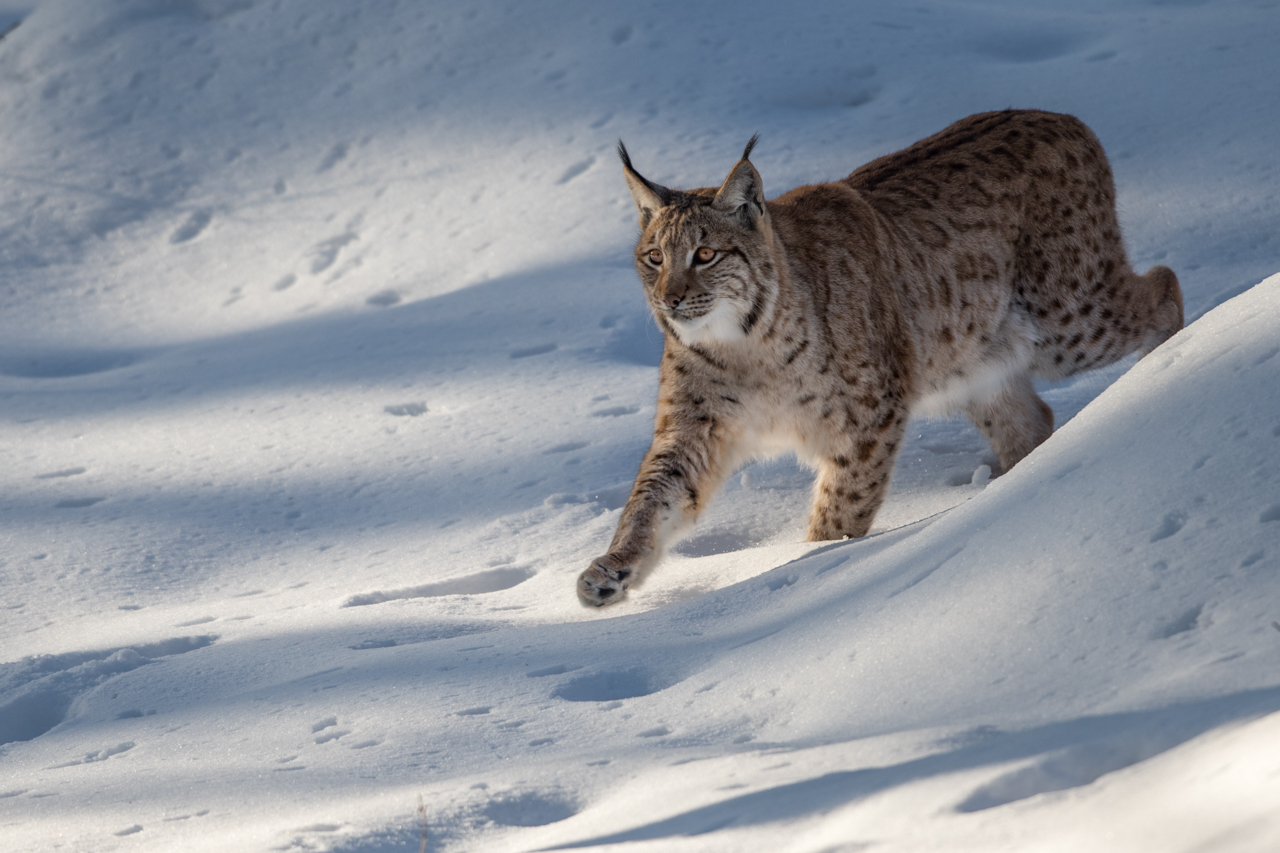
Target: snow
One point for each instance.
(324, 372)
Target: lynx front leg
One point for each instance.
(851, 485)
(679, 475)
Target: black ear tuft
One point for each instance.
(649, 197)
(751, 143)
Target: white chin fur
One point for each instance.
(722, 324)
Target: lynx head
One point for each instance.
(706, 257)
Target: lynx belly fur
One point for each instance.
(942, 278)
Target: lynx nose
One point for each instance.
(673, 300)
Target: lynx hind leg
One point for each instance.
(1016, 421)
(852, 485)
(1161, 286)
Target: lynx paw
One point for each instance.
(603, 582)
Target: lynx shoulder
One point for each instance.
(943, 278)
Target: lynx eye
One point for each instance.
(655, 257)
(704, 255)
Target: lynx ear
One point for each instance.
(649, 197)
(742, 192)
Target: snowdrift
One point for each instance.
(1109, 604)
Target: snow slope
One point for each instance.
(323, 372)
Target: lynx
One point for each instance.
(942, 278)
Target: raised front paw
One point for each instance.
(604, 581)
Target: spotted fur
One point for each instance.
(942, 278)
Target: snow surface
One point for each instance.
(324, 372)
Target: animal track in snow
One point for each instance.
(846, 89)
(1184, 623)
(479, 583)
(365, 645)
(558, 669)
(36, 693)
(1173, 522)
(612, 685)
(1022, 45)
(384, 298)
(576, 169)
(541, 349)
(134, 714)
(321, 729)
(191, 228)
(529, 808)
(100, 755)
(1271, 513)
(66, 472)
(77, 503)
(58, 365)
(333, 735)
(406, 410)
(615, 412)
(324, 253)
(335, 155)
(780, 582)
(567, 447)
